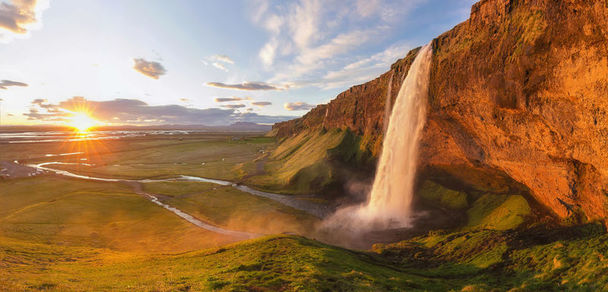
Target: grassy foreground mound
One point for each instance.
(538, 259)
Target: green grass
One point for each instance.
(265, 264)
(486, 260)
(228, 207)
(539, 259)
(62, 211)
(213, 157)
(499, 212)
(442, 196)
(298, 163)
(312, 162)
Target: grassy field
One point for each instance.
(482, 260)
(58, 233)
(233, 209)
(207, 155)
(67, 212)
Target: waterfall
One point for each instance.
(387, 103)
(389, 202)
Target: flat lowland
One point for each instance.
(211, 155)
(62, 233)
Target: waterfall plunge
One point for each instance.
(389, 203)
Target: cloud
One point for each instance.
(364, 69)
(298, 106)
(261, 103)
(231, 98)
(149, 68)
(246, 86)
(133, 111)
(309, 38)
(19, 17)
(4, 84)
(268, 52)
(218, 61)
(223, 58)
(234, 106)
(220, 66)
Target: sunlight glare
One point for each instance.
(82, 122)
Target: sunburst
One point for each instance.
(82, 122)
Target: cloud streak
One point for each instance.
(133, 111)
(232, 98)
(261, 103)
(220, 66)
(223, 58)
(219, 62)
(234, 106)
(250, 86)
(149, 68)
(5, 84)
(298, 106)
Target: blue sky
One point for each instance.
(212, 62)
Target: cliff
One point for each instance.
(518, 101)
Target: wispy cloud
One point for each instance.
(246, 86)
(220, 66)
(310, 38)
(19, 17)
(218, 61)
(298, 106)
(149, 68)
(133, 111)
(366, 68)
(4, 84)
(231, 98)
(234, 106)
(261, 103)
(223, 58)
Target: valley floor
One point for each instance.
(68, 233)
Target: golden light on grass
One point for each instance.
(82, 122)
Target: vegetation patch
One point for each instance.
(444, 197)
(499, 212)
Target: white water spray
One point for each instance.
(389, 203)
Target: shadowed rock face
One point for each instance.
(518, 101)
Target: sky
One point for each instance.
(201, 62)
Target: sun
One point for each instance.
(82, 122)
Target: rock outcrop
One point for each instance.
(518, 101)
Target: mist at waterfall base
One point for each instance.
(389, 202)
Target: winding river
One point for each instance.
(311, 208)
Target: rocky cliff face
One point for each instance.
(518, 101)
(362, 108)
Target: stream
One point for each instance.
(311, 208)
